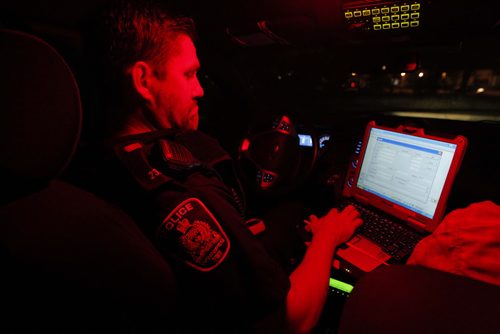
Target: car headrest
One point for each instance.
(40, 118)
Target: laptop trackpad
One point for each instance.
(363, 253)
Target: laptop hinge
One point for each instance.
(416, 223)
(361, 199)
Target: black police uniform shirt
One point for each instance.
(169, 183)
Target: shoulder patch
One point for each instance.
(195, 235)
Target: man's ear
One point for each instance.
(142, 79)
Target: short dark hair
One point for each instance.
(142, 30)
(122, 33)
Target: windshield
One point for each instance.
(447, 67)
(437, 82)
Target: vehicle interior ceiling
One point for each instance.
(261, 59)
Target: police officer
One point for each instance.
(167, 175)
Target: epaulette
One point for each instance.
(205, 148)
(176, 156)
(133, 156)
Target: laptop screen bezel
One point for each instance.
(413, 218)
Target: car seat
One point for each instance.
(71, 262)
(413, 299)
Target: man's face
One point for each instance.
(177, 91)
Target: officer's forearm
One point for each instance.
(309, 286)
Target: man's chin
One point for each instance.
(193, 122)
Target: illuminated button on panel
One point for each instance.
(415, 6)
(386, 26)
(284, 126)
(350, 182)
(415, 15)
(405, 8)
(366, 12)
(355, 163)
(377, 27)
(348, 15)
(405, 24)
(357, 13)
(395, 25)
(385, 10)
(386, 18)
(395, 17)
(268, 178)
(414, 24)
(405, 16)
(375, 11)
(358, 147)
(376, 19)
(395, 9)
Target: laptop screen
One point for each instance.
(406, 170)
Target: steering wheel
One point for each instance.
(275, 161)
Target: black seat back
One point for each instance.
(70, 261)
(411, 299)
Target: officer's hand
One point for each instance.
(335, 227)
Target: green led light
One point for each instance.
(340, 285)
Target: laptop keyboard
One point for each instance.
(395, 239)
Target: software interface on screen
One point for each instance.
(407, 170)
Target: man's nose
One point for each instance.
(198, 90)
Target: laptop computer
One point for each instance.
(399, 180)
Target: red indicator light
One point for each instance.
(245, 145)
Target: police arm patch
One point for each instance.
(195, 235)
